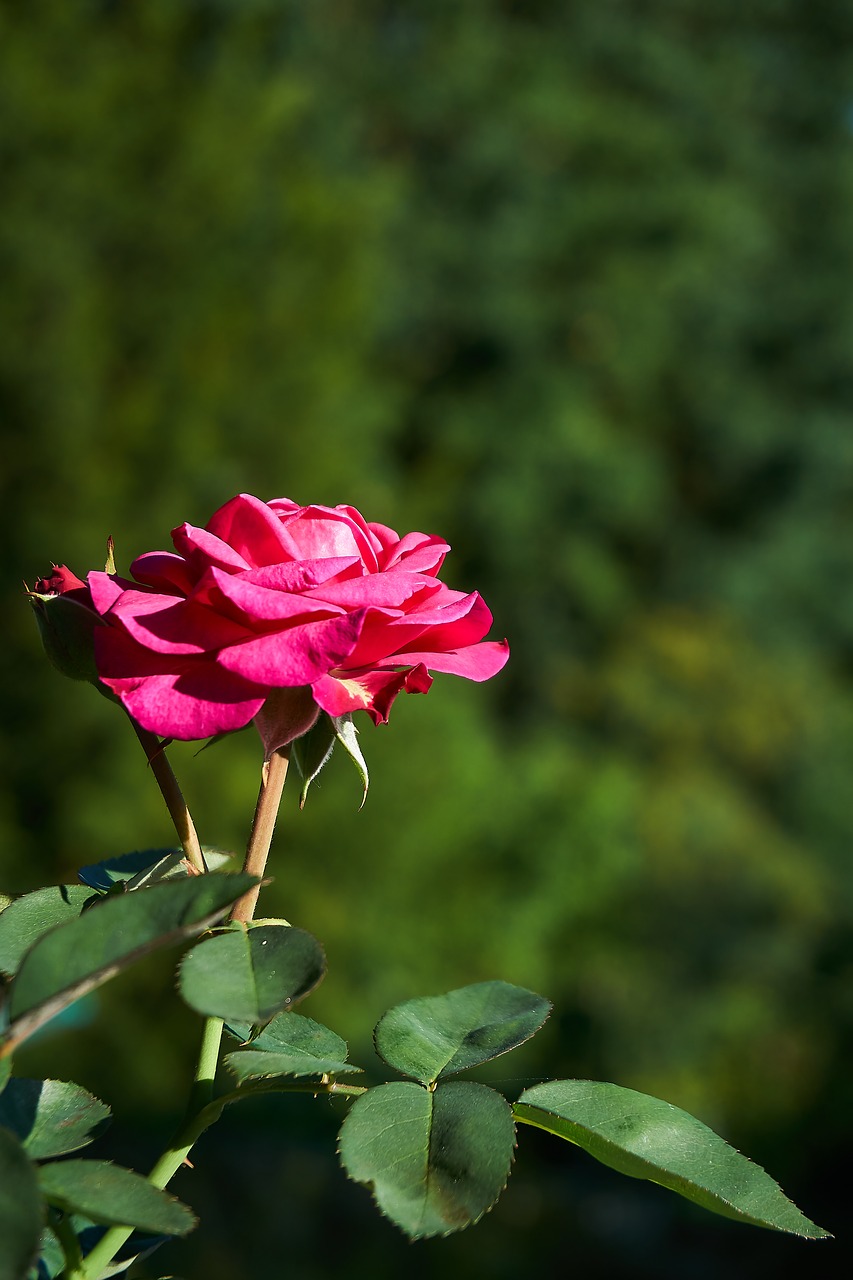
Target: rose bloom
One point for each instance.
(274, 611)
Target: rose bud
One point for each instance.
(67, 622)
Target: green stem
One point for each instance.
(172, 794)
(208, 1058)
(171, 1160)
(203, 1109)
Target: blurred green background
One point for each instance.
(570, 284)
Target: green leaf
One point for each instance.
(76, 957)
(25, 920)
(647, 1138)
(248, 975)
(51, 1260)
(436, 1036)
(313, 751)
(114, 1196)
(292, 1046)
(146, 867)
(347, 736)
(5, 1072)
(104, 875)
(21, 1209)
(435, 1160)
(51, 1117)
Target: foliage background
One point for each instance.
(570, 285)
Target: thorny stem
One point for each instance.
(96, 1262)
(172, 794)
(203, 1108)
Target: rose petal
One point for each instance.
(387, 539)
(303, 574)
(456, 625)
(165, 625)
(477, 662)
(461, 620)
(161, 569)
(372, 691)
(296, 655)
(183, 698)
(254, 531)
(418, 553)
(198, 702)
(203, 549)
(391, 590)
(236, 595)
(105, 589)
(323, 532)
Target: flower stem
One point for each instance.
(203, 1109)
(273, 775)
(208, 1058)
(172, 794)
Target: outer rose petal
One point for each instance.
(477, 662)
(418, 553)
(202, 549)
(169, 625)
(196, 703)
(163, 570)
(176, 698)
(372, 691)
(427, 626)
(105, 589)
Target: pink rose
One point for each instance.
(283, 610)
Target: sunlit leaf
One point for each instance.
(51, 1117)
(112, 871)
(25, 919)
(347, 736)
(248, 975)
(114, 1196)
(148, 866)
(437, 1036)
(435, 1160)
(76, 957)
(292, 1045)
(647, 1138)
